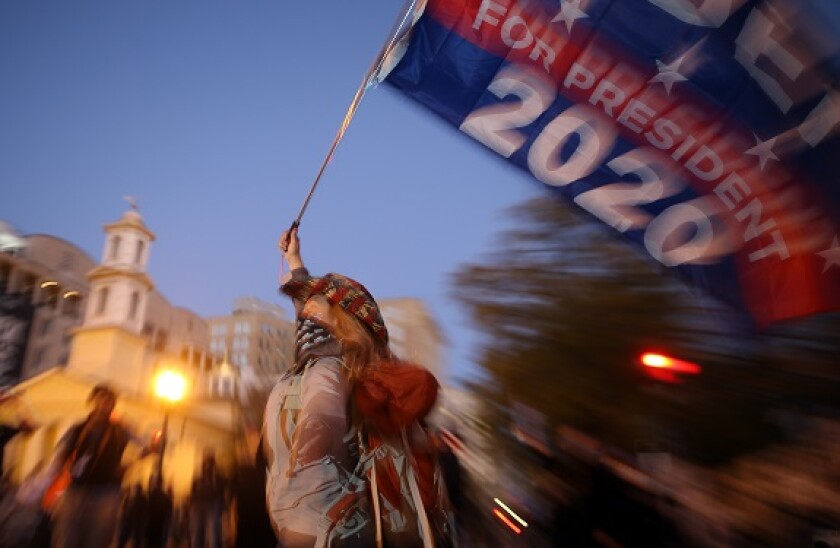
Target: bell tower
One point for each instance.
(119, 286)
(110, 343)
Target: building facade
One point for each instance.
(130, 330)
(413, 333)
(125, 333)
(43, 293)
(257, 341)
(257, 338)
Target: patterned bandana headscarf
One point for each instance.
(347, 293)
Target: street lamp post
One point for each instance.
(170, 386)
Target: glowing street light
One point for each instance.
(170, 386)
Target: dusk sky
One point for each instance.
(216, 116)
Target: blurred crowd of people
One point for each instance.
(583, 493)
(78, 499)
(219, 511)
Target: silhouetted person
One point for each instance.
(87, 514)
(159, 515)
(132, 517)
(9, 431)
(207, 504)
(253, 526)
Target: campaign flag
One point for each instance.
(704, 131)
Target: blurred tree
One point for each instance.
(567, 310)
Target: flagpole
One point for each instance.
(368, 81)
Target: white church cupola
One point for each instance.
(223, 381)
(127, 242)
(119, 285)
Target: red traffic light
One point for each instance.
(666, 368)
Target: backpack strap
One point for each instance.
(377, 511)
(415, 494)
(289, 403)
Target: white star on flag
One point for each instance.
(669, 74)
(763, 150)
(569, 13)
(831, 255)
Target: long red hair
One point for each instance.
(359, 347)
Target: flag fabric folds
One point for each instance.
(703, 132)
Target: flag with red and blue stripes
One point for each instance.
(705, 132)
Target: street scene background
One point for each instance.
(213, 118)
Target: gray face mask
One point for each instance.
(313, 340)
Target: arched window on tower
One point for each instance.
(221, 387)
(115, 247)
(50, 290)
(27, 287)
(70, 307)
(133, 305)
(102, 302)
(226, 390)
(138, 251)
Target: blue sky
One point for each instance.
(217, 115)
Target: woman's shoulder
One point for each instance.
(328, 361)
(327, 365)
(326, 369)
(294, 376)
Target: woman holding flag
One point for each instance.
(349, 462)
